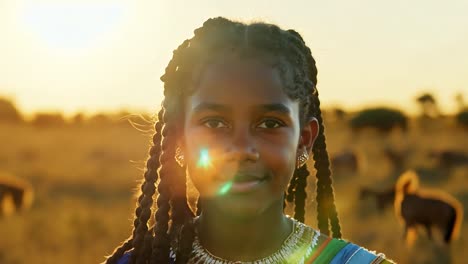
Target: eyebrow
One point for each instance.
(210, 107)
(276, 107)
(281, 108)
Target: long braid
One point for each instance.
(300, 193)
(155, 151)
(161, 243)
(181, 212)
(311, 74)
(325, 198)
(146, 203)
(150, 172)
(324, 183)
(169, 168)
(321, 155)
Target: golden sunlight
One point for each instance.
(72, 26)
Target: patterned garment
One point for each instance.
(335, 251)
(312, 248)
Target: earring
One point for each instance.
(179, 157)
(302, 157)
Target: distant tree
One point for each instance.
(48, 120)
(381, 118)
(100, 119)
(78, 119)
(428, 105)
(462, 118)
(9, 112)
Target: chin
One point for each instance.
(241, 209)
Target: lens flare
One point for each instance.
(225, 188)
(204, 161)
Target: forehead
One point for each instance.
(240, 82)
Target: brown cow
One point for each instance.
(15, 194)
(428, 208)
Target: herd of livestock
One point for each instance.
(414, 205)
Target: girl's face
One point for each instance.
(240, 137)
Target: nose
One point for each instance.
(242, 146)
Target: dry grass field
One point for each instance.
(84, 177)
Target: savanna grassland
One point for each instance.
(85, 175)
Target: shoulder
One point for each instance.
(338, 251)
(354, 254)
(125, 259)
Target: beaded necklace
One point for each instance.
(297, 247)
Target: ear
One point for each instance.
(308, 134)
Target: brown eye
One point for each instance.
(270, 123)
(214, 123)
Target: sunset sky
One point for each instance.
(94, 55)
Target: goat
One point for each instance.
(428, 208)
(346, 161)
(383, 198)
(15, 194)
(448, 159)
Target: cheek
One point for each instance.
(280, 158)
(203, 154)
(202, 150)
(206, 178)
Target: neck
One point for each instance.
(246, 238)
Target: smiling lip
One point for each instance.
(247, 177)
(246, 183)
(247, 186)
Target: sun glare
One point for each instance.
(225, 188)
(204, 161)
(72, 26)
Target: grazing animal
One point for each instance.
(428, 208)
(399, 161)
(383, 198)
(346, 161)
(448, 159)
(15, 194)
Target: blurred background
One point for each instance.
(79, 87)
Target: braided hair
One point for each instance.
(174, 227)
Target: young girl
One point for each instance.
(241, 115)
